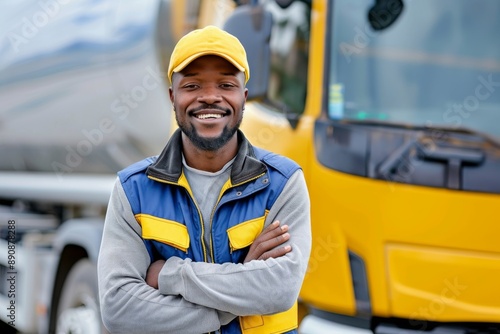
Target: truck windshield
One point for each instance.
(438, 64)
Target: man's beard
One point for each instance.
(209, 144)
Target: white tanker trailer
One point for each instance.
(82, 95)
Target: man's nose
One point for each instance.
(210, 95)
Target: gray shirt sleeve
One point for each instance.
(256, 287)
(128, 304)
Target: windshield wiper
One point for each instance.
(437, 131)
(434, 144)
(485, 137)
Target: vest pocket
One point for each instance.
(270, 324)
(163, 230)
(243, 234)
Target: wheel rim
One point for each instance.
(81, 319)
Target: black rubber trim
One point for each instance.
(360, 285)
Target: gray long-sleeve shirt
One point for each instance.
(197, 297)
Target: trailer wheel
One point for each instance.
(78, 308)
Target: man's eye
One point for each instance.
(227, 85)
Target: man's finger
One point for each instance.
(275, 253)
(272, 231)
(272, 243)
(271, 237)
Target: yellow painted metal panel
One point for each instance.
(443, 284)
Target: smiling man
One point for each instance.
(214, 233)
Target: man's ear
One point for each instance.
(171, 94)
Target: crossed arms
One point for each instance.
(265, 246)
(182, 296)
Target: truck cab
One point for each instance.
(392, 110)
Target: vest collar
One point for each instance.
(168, 166)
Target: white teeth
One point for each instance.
(205, 116)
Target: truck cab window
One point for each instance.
(423, 69)
(289, 56)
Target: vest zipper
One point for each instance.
(223, 190)
(203, 246)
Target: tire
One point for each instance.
(78, 308)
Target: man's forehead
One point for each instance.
(210, 61)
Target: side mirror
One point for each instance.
(251, 24)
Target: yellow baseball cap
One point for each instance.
(208, 41)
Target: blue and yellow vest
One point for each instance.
(164, 206)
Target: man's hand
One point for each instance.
(264, 245)
(153, 272)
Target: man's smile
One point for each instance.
(208, 116)
(210, 113)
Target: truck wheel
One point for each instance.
(78, 308)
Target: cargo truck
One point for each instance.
(392, 108)
(82, 95)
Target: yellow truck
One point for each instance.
(392, 108)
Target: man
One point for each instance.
(192, 241)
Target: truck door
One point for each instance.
(275, 115)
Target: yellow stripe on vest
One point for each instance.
(270, 324)
(244, 234)
(167, 231)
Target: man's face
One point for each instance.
(208, 96)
